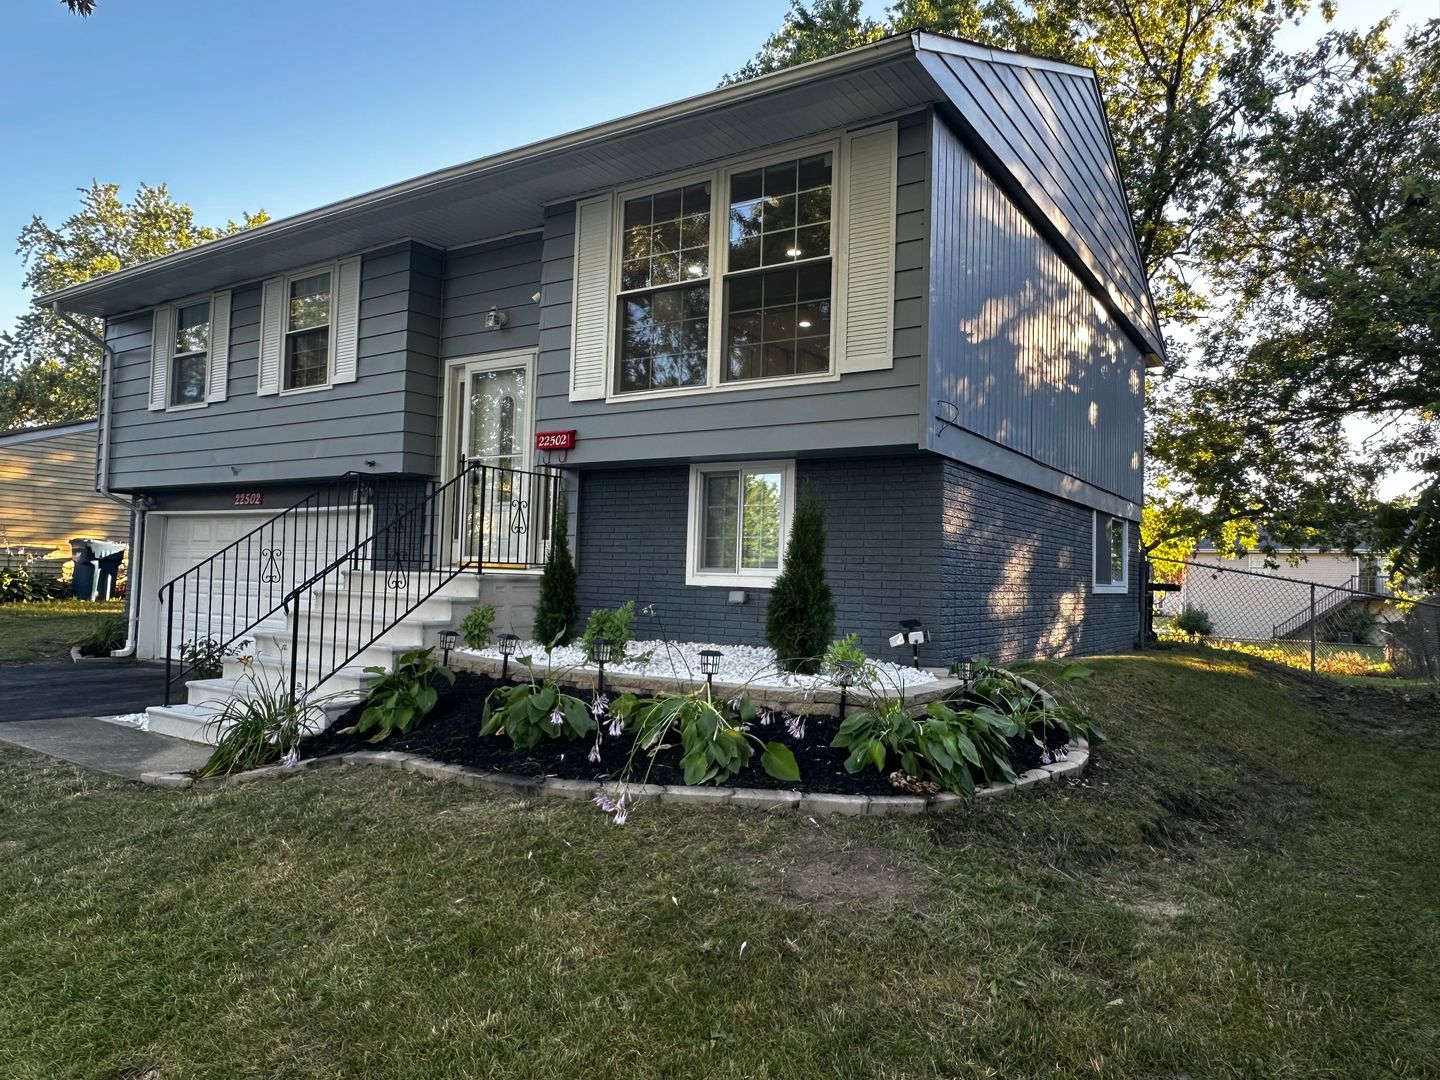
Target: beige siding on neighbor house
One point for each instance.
(47, 493)
(1241, 606)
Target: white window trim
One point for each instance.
(333, 269)
(719, 178)
(1108, 587)
(752, 579)
(175, 306)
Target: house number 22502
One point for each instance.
(249, 498)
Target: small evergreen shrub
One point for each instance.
(476, 628)
(558, 609)
(617, 625)
(1194, 621)
(847, 649)
(800, 618)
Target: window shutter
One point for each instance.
(272, 315)
(162, 345)
(218, 375)
(347, 321)
(590, 312)
(868, 267)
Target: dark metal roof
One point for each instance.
(1070, 177)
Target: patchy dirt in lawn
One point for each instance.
(830, 876)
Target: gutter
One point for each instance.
(102, 445)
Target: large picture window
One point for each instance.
(778, 280)
(665, 289)
(189, 366)
(739, 518)
(307, 331)
(1112, 554)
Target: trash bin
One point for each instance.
(97, 563)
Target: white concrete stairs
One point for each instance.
(323, 641)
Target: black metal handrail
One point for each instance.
(484, 517)
(225, 596)
(1322, 604)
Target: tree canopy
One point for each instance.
(48, 372)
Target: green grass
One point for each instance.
(1246, 885)
(45, 630)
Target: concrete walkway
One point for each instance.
(112, 748)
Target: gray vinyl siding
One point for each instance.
(386, 417)
(865, 410)
(1021, 353)
(504, 275)
(47, 494)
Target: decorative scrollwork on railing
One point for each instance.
(270, 571)
(396, 579)
(519, 516)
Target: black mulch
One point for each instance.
(451, 734)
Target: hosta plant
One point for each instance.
(946, 746)
(1033, 708)
(402, 697)
(530, 711)
(717, 742)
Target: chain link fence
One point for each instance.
(1355, 626)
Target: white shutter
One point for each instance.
(272, 335)
(162, 349)
(590, 342)
(347, 321)
(867, 281)
(218, 375)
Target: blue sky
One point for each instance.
(289, 104)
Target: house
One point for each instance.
(904, 275)
(48, 496)
(1260, 597)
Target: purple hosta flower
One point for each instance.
(616, 725)
(795, 725)
(613, 806)
(735, 703)
(291, 758)
(557, 718)
(595, 754)
(766, 717)
(600, 706)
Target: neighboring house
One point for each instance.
(48, 496)
(904, 275)
(1262, 597)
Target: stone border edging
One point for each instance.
(1076, 761)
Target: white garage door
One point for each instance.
(223, 598)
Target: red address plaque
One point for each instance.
(555, 440)
(249, 498)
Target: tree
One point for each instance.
(558, 609)
(810, 32)
(83, 8)
(48, 372)
(800, 617)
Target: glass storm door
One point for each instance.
(495, 431)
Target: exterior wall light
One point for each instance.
(709, 667)
(842, 676)
(600, 648)
(495, 319)
(910, 634)
(507, 644)
(447, 642)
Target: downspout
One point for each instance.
(135, 506)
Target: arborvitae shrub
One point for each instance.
(800, 619)
(559, 608)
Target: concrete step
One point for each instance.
(269, 669)
(410, 633)
(193, 723)
(324, 651)
(464, 586)
(216, 693)
(438, 608)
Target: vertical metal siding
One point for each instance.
(1022, 350)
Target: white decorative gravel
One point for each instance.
(135, 719)
(745, 665)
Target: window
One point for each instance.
(778, 280)
(665, 289)
(1112, 554)
(190, 361)
(739, 519)
(307, 331)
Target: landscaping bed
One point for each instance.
(451, 734)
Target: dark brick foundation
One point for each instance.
(987, 566)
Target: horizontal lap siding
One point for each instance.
(505, 276)
(882, 560)
(385, 416)
(861, 410)
(1021, 353)
(47, 494)
(1017, 574)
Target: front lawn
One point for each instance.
(1247, 884)
(46, 629)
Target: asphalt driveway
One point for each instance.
(45, 691)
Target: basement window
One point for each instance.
(739, 520)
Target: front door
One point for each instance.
(494, 430)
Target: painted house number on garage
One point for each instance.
(249, 498)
